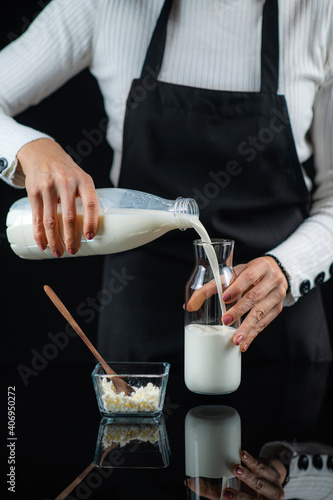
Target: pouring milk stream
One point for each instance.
(127, 219)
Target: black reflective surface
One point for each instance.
(59, 429)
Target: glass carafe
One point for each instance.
(212, 449)
(212, 360)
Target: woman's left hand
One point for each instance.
(260, 288)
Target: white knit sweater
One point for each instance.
(211, 43)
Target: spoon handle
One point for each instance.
(119, 383)
(64, 494)
(65, 312)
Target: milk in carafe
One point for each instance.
(212, 362)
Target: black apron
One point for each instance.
(235, 154)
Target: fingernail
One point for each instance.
(240, 470)
(42, 247)
(227, 320)
(228, 494)
(226, 297)
(245, 455)
(90, 235)
(72, 251)
(239, 339)
(245, 347)
(57, 254)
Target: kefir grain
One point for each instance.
(144, 399)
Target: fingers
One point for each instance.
(263, 271)
(48, 225)
(251, 328)
(260, 316)
(50, 221)
(259, 477)
(206, 291)
(45, 222)
(251, 275)
(259, 468)
(91, 207)
(199, 296)
(37, 221)
(204, 489)
(231, 493)
(260, 290)
(239, 269)
(52, 177)
(70, 224)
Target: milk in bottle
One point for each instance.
(127, 219)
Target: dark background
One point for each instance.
(27, 315)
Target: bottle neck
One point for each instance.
(185, 209)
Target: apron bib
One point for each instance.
(234, 152)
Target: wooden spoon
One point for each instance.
(106, 452)
(64, 494)
(119, 384)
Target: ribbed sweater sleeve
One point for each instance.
(56, 46)
(307, 253)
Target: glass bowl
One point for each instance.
(149, 381)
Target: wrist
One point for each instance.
(32, 150)
(29, 150)
(282, 269)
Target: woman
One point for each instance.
(206, 119)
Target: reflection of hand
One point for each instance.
(258, 479)
(206, 490)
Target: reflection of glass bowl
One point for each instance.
(149, 381)
(132, 443)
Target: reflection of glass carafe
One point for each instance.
(127, 219)
(212, 446)
(212, 360)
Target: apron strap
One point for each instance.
(155, 52)
(269, 46)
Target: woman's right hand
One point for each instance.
(52, 177)
(258, 479)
